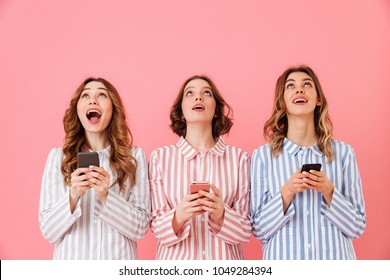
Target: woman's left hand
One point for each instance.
(318, 181)
(213, 204)
(99, 179)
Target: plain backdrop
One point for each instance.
(148, 48)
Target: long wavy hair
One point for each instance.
(276, 127)
(222, 122)
(121, 161)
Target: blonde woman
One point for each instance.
(95, 212)
(310, 214)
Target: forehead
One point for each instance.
(298, 76)
(94, 85)
(197, 83)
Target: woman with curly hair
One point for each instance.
(97, 212)
(304, 214)
(202, 225)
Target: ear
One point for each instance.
(318, 103)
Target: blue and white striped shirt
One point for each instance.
(309, 229)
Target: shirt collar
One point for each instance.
(106, 151)
(189, 152)
(293, 148)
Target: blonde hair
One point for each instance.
(119, 136)
(276, 127)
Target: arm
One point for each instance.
(347, 210)
(270, 211)
(163, 213)
(234, 227)
(130, 217)
(55, 217)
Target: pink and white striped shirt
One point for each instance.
(171, 171)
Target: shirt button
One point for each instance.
(95, 221)
(307, 212)
(203, 252)
(202, 219)
(308, 245)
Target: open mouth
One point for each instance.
(93, 115)
(198, 107)
(300, 101)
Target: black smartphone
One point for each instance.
(86, 159)
(311, 166)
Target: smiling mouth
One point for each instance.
(299, 101)
(93, 116)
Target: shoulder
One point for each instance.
(264, 149)
(138, 153)
(56, 153)
(164, 150)
(342, 148)
(239, 152)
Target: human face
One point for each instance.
(198, 103)
(94, 107)
(300, 94)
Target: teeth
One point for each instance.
(93, 111)
(300, 100)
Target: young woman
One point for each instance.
(304, 215)
(203, 225)
(96, 212)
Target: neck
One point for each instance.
(97, 141)
(301, 131)
(200, 137)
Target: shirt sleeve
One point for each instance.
(55, 217)
(162, 212)
(347, 210)
(130, 217)
(267, 212)
(236, 227)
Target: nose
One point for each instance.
(299, 91)
(93, 101)
(199, 98)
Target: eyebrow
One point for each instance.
(97, 88)
(202, 88)
(305, 79)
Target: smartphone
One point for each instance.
(311, 166)
(197, 186)
(86, 159)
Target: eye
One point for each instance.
(84, 95)
(290, 85)
(307, 84)
(208, 93)
(103, 94)
(189, 93)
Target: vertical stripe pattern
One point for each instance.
(309, 229)
(94, 230)
(171, 171)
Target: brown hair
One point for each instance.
(119, 136)
(276, 127)
(222, 121)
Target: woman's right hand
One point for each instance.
(188, 208)
(293, 186)
(79, 184)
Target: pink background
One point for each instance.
(148, 48)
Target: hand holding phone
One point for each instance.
(311, 166)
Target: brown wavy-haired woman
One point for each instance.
(95, 212)
(209, 224)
